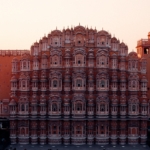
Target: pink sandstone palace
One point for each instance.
(76, 86)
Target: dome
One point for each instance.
(133, 55)
(44, 38)
(79, 29)
(144, 79)
(12, 102)
(36, 44)
(114, 40)
(13, 78)
(103, 32)
(56, 32)
(67, 30)
(122, 44)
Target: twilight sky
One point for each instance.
(22, 22)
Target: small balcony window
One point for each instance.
(22, 107)
(55, 84)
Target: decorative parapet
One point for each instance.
(13, 52)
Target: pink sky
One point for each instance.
(22, 22)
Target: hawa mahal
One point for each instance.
(75, 86)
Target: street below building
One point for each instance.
(73, 147)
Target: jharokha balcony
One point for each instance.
(103, 114)
(54, 114)
(78, 114)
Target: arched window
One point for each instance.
(102, 41)
(56, 60)
(55, 83)
(79, 59)
(134, 84)
(22, 107)
(35, 65)
(102, 107)
(24, 65)
(55, 41)
(23, 84)
(14, 66)
(102, 60)
(79, 106)
(79, 82)
(133, 108)
(102, 83)
(54, 107)
(144, 85)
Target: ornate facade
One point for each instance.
(78, 86)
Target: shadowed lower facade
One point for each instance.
(78, 86)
